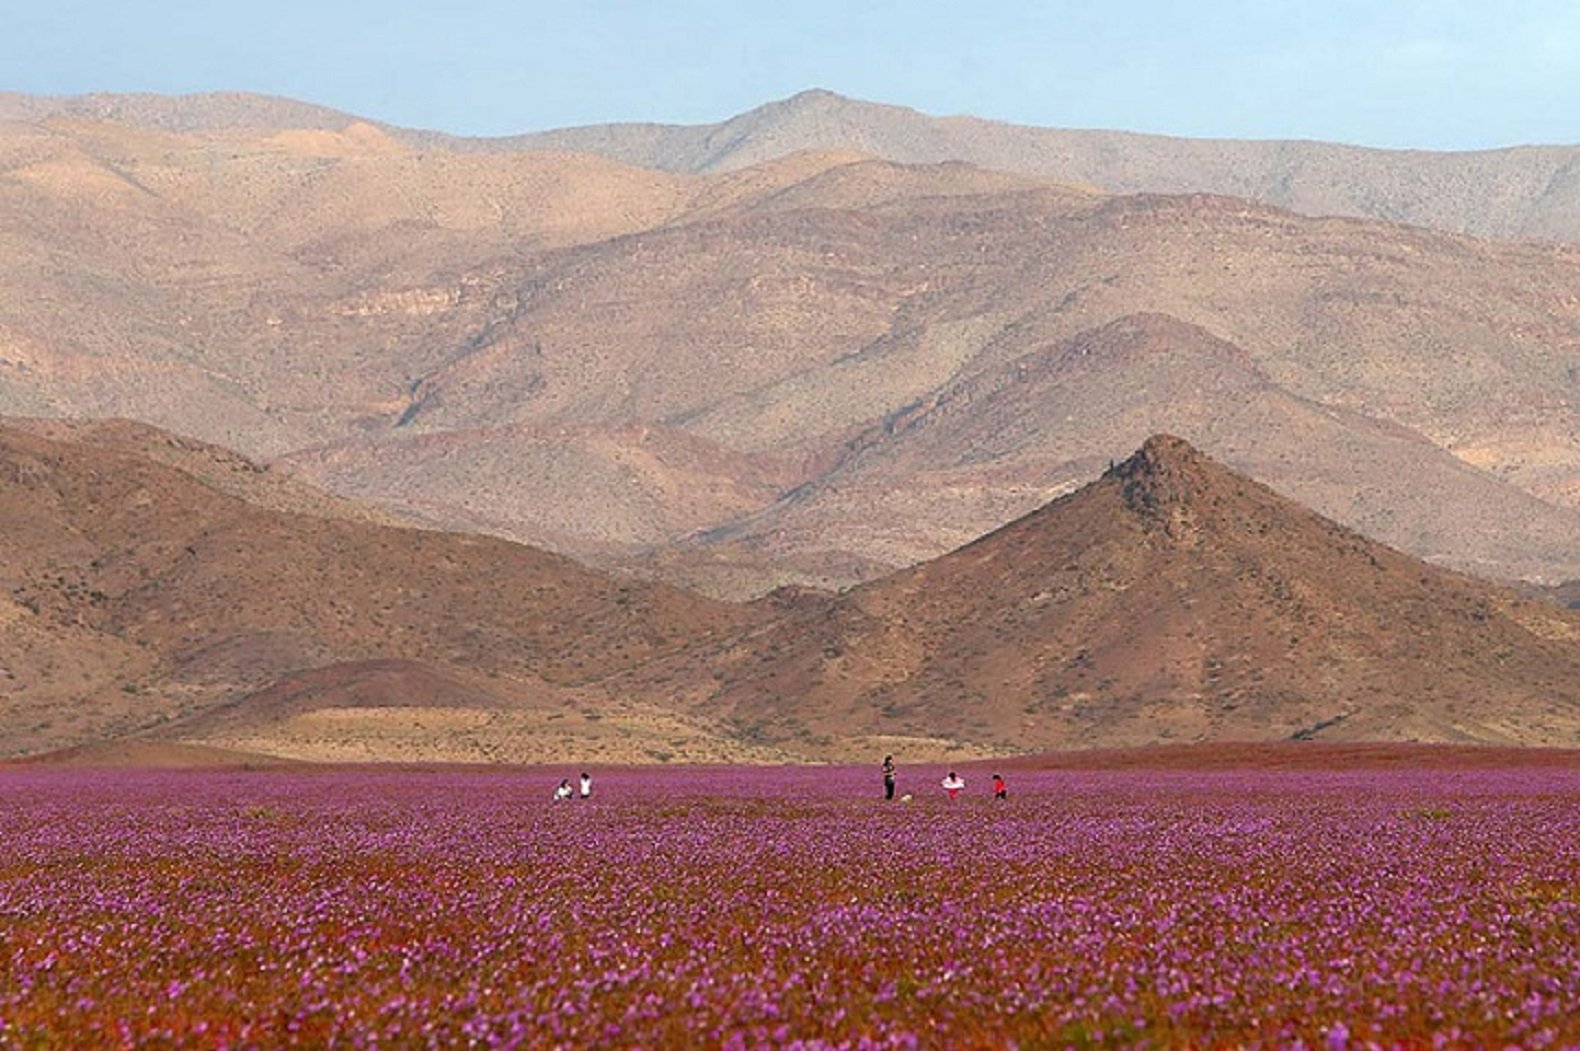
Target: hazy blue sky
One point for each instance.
(1447, 74)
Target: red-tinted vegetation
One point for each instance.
(790, 908)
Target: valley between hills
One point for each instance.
(829, 430)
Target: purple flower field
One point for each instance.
(789, 908)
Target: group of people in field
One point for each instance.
(953, 784)
(565, 793)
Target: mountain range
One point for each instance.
(816, 369)
(1170, 600)
(1522, 192)
(807, 435)
(1519, 192)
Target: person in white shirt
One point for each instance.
(564, 791)
(586, 785)
(954, 784)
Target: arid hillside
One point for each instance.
(814, 370)
(135, 596)
(1172, 600)
(147, 611)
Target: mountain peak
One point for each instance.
(1162, 456)
(812, 101)
(814, 96)
(1162, 450)
(1166, 477)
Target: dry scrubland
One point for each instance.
(769, 908)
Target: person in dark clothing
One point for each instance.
(888, 777)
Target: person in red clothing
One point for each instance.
(1000, 791)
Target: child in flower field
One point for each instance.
(953, 784)
(563, 792)
(586, 785)
(1000, 789)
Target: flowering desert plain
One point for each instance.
(791, 907)
(352, 468)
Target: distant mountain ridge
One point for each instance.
(206, 111)
(1515, 192)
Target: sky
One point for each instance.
(1451, 74)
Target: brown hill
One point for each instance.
(213, 465)
(1172, 600)
(1359, 393)
(400, 711)
(134, 596)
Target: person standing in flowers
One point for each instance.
(586, 785)
(953, 784)
(1000, 789)
(888, 777)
